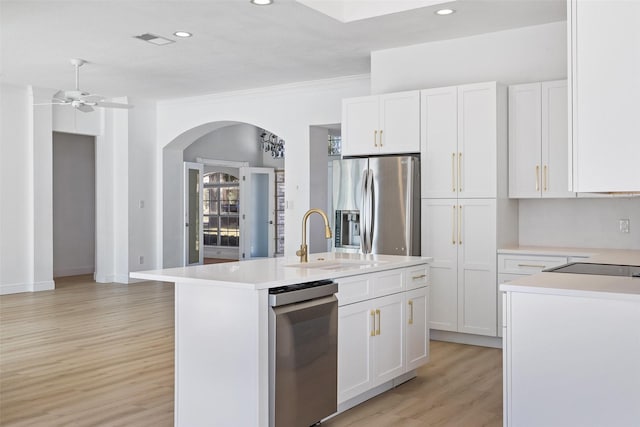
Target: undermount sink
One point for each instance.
(334, 264)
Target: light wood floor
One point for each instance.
(92, 354)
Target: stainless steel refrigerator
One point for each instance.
(377, 205)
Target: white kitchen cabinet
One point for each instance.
(604, 71)
(417, 328)
(571, 358)
(370, 344)
(382, 328)
(461, 236)
(462, 141)
(538, 156)
(383, 124)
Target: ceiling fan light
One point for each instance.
(261, 2)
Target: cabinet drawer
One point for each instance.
(527, 264)
(387, 283)
(416, 277)
(353, 289)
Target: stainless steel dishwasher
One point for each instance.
(303, 353)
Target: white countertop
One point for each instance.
(584, 284)
(272, 272)
(550, 250)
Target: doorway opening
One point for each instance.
(230, 199)
(74, 204)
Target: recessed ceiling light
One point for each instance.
(261, 2)
(182, 34)
(443, 12)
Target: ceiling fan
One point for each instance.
(80, 100)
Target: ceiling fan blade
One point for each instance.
(92, 98)
(85, 108)
(112, 105)
(60, 95)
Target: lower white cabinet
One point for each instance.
(460, 235)
(417, 328)
(381, 338)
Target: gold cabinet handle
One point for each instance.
(373, 328)
(375, 138)
(460, 171)
(453, 226)
(537, 177)
(378, 330)
(453, 172)
(380, 137)
(411, 312)
(422, 276)
(532, 265)
(544, 178)
(460, 224)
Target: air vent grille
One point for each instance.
(154, 39)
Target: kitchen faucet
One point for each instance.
(302, 252)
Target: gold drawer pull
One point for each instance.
(411, 312)
(375, 138)
(537, 177)
(379, 328)
(532, 265)
(453, 226)
(544, 178)
(380, 137)
(373, 328)
(460, 171)
(453, 172)
(422, 276)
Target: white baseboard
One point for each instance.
(470, 339)
(46, 285)
(16, 288)
(76, 271)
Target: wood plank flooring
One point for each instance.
(91, 354)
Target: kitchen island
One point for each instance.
(572, 346)
(222, 334)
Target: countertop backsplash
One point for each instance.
(581, 222)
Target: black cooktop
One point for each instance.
(599, 269)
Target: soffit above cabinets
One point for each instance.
(349, 10)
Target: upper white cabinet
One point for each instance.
(383, 124)
(538, 156)
(604, 64)
(459, 141)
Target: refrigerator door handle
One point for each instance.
(370, 215)
(363, 213)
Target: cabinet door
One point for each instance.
(355, 329)
(399, 130)
(439, 240)
(417, 328)
(439, 142)
(555, 156)
(605, 74)
(477, 266)
(525, 168)
(360, 125)
(477, 140)
(388, 344)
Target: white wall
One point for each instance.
(15, 190)
(514, 56)
(142, 184)
(588, 223)
(73, 204)
(286, 110)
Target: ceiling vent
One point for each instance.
(153, 39)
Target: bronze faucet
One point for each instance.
(302, 252)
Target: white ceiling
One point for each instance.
(235, 45)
